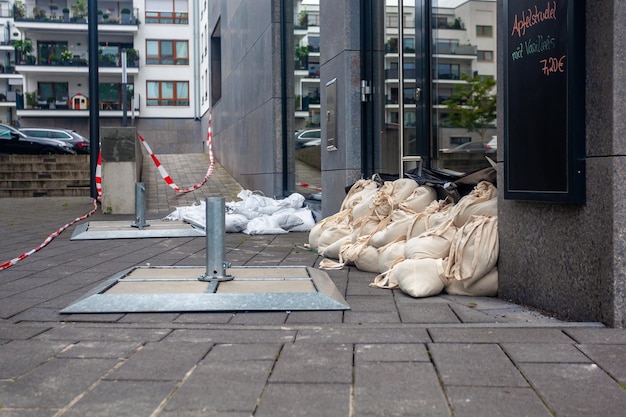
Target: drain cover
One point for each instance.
(124, 230)
(178, 289)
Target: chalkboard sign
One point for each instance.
(544, 100)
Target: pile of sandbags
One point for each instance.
(415, 242)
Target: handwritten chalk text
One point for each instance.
(532, 17)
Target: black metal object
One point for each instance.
(94, 99)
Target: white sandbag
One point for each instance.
(306, 215)
(419, 200)
(485, 286)
(235, 223)
(331, 239)
(474, 250)
(367, 259)
(349, 252)
(402, 189)
(416, 277)
(479, 208)
(392, 228)
(434, 215)
(389, 254)
(428, 246)
(420, 277)
(484, 191)
(263, 225)
(287, 221)
(362, 190)
(381, 203)
(316, 231)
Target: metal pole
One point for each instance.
(140, 206)
(94, 99)
(124, 118)
(215, 226)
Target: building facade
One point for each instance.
(166, 70)
(386, 71)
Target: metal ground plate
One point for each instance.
(178, 289)
(125, 230)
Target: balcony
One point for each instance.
(107, 63)
(466, 50)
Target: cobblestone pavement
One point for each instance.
(389, 355)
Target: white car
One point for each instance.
(493, 143)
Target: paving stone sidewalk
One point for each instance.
(389, 355)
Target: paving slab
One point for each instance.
(471, 401)
(398, 389)
(544, 352)
(576, 390)
(475, 364)
(304, 400)
(314, 364)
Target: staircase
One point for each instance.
(44, 176)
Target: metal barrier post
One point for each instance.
(140, 206)
(215, 228)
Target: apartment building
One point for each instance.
(166, 70)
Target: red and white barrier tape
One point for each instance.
(98, 181)
(168, 179)
(305, 185)
(13, 261)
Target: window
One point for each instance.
(167, 93)
(485, 56)
(167, 52)
(484, 30)
(448, 71)
(110, 95)
(51, 91)
(49, 52)
(216, 63)
(173, 12)
(109, 53)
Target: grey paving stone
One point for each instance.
(222, 387)
(149, 318)
(88, 349)
(611, 358)
(232, 336)
(364, 334)
(10, 307)
(471, 315)
(361, 317)
(20, 331)
(113, 334)
(122, 399)
(307, 400)
(428, 313)
(359, 303)
(20, 356)
(498, 335)
(391, 352)
(161, 361)
(544, 352)
(23, 412)
(55, 383)
(244, 352)
(278, 317)
(398, 389)
(598, 335)
(209, 318)
(496, 402)
(576, 390)
(201, 413)
(314, 364)
(474, 364)
(315, 317)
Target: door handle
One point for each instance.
(418, 94)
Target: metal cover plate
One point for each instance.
(177, 289)
(125, 230)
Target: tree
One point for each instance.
(473, 104)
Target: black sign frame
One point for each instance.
(544, 96)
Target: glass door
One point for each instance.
(404, 139)
(463, 62)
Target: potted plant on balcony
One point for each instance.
(79, 10)
(19, 10)
(23, 47)
(66, 15)
(125, 15)
(100, 16)
(66, 57)
(132, 57)
(31, 99)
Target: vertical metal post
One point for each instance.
(124, 83)
(215, 227)
(94, 98)
(140, 206)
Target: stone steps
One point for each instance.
(44, 176)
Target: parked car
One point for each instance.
(308, 137)
(78, 142)
(470, 147)
(13, 141)
(493, 143)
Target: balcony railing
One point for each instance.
(455, 49)
(49, 15)
(104, 60)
